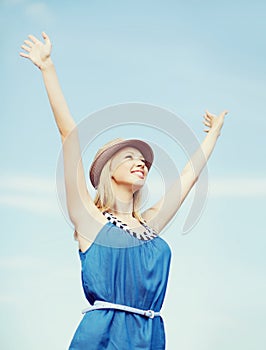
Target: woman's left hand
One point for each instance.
(214, 122)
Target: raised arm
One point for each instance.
(79, 201)
(162, 212)
(40, 55)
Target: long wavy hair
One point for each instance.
(105, 199)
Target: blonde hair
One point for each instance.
(104, 199)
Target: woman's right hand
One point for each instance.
(39, 53)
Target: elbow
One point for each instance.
(67, 132)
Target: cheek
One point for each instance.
(121, 170)
(116, 163)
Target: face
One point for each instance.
(128, 167)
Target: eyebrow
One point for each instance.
(135, 153)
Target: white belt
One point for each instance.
(98, 304)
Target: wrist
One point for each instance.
(46, 65)
(215, 131)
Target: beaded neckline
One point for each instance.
(144, 236)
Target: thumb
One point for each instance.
(46, 38)
(223, 114)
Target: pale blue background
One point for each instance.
(186, 56)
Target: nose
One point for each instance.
(139, 162)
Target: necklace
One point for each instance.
(145, 236)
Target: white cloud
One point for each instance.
(6, 299)
(38, 194)
(237, 187)
(13, 2)
(32, 204)
(18, 262)
(31, 193)
(27, 183)
(221, 187)
(39, 11)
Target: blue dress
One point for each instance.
(123, 269)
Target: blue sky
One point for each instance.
(185, 57)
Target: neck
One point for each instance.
(122, 208)
(123, 205)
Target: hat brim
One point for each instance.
(105, 155)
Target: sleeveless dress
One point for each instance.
(126, 268)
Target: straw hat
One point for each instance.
(110, 148)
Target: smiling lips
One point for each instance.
(139, 173)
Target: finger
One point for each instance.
(209, 114)
(207, 117)
(206, 130)
(206, 123)
(222, 115)
(33, 39)
(29, 43)
(225, 112)
(46, 38)
(24, 54)
(26, 48)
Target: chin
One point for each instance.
(137, 186)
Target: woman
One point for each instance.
(125, 264)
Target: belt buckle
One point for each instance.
(149, 313)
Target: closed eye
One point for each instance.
(146, 163)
